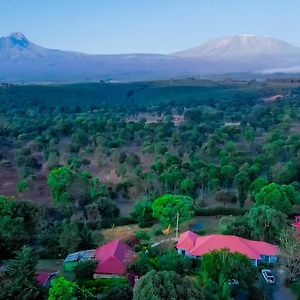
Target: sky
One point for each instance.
(146, 26)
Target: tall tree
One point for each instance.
(19, 281)
(59, 180)
(242, 182)
(265, 223)
(62, 289)
(280, 197)
(166, 208)
(222, 266)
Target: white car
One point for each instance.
(268, 276)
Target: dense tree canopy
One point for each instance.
(223, 266)
(280, 197)
(165, 285)
(19, 278)
(166, 208)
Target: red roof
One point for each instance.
(113, 258)
(43, 277)
(199, 245)
(296, 224)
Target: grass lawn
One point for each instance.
(210, 226)
(121, 232)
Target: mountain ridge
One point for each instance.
(23, 60)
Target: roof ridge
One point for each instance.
(115, 244)
(246, 242)
(210, 237)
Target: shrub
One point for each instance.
(143, 235)
(22, 185)
(85, 270)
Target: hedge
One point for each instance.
(221, 211)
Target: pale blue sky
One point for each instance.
(160, 26)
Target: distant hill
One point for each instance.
(22, 60)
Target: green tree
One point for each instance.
(265, 223)
(223, 265)
(22, 185)
(214, 184)
(62, 289)
(142, 213)
(242, 182)
(85, 270)
(228, 173)
(19, 223)
(236, 226)
(165, 286)
(166, 208)
(187, 185)
(249, 134)
(256, 186)
(59, 180)
(172, 261)
(19, 278)
(70, 239)
(280, 197)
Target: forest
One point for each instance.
(79, 160)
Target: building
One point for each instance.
(113, 259)
(74, 258)
(192, 245)
(296, 224)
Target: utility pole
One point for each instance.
(177, 225)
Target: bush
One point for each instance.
(120, 293)
(104, 285)
(85, 270)
(22, 185)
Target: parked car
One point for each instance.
(268, 276)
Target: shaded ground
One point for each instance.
(277, 291)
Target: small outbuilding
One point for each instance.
(74, 258)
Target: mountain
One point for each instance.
(245, 53)
(22, 60)
(243, 45)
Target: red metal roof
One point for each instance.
(113, 258)
(296, 224)
(200, 245)
(43, 277)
